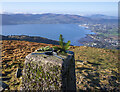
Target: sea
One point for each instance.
(72, 32)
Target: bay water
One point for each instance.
(72, 32)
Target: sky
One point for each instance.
(79, 8)
(60, 0)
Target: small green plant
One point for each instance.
(47, 48)
(63, 46)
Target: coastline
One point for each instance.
(70, 32)
(87, 38)
(84, 25)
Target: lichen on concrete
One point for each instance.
(43, 72)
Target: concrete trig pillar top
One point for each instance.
(49, 72)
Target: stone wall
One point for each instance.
(48, 72)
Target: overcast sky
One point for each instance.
(80, 8)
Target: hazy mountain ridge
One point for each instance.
(49, 18)
(101, 16)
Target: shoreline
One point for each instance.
(87, 38)
(76, 34)
(39, 39)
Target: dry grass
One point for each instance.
(101, 70)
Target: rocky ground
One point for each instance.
(96, 69)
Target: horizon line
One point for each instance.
(56, 13)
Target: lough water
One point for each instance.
(71, 32)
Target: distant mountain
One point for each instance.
(49, 18)
(100, 16)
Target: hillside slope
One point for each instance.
(49, 18)
(96, 69)
(29, 38)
